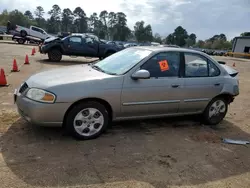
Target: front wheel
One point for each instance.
(87, 120)
(215, 111)
(55, 55)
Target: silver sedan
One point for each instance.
(135, 83)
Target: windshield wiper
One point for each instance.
(99, 69)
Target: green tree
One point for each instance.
(143, 33)
(122, 32)
(4, 16)
(80, 22)
(39, 12)
(104, 17)
(16, 17)
(111, 23)
(170, 39)
(180, 36)
(200, 44)
(157, 38)
(245, 34)
(28, 14)
(54, 23)
(67, 20)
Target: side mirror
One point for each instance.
(141, 74)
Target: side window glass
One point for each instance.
(195, 66)
(39, 30)
(163, 65)
(75, 39)
(213, 69)
(34, 29)
(89, 40)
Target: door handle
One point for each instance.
(217, 84)
(175, 85)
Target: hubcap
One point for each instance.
(88, 122)
(218, 108)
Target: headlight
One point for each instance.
(40, 95)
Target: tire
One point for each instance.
(55, 55)
(21, 41)
(213, 116)
(23, 33)
(81, 120)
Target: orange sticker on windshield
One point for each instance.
(164, 65)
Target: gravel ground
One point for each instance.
(169, 152)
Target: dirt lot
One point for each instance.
(169, 152)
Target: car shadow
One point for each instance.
(66, 62)
(162, 152)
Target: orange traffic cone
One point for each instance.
(33, 51)
(234, 65)
(14, 67)
(3, 81)
(26, 60)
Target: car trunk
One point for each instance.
(232, 72)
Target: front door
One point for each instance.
(36, 32)
(74, 46)
(90, 47)
(201, 83)
(158, 95)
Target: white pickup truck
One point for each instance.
(32, 31)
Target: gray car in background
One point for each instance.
(135, 83)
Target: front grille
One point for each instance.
(23, 88)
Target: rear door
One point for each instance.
(202, 82)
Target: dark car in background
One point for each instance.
(77, 44)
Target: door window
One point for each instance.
(213, 69)
(36, 29)
(89, 40)
(195, 65)
(198, 66)
(164, 64)
(75, 40)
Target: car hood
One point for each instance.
(65, 76)
(51, 39)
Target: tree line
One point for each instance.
(109, 26)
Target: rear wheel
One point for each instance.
(87, 120)
(23, 33)
(55, 55)
(21, 41)
(215, 111)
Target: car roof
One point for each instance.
(163, 49)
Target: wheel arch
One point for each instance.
(57, 47)
(227, 96)
(99, 100)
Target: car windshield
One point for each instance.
(120, 62)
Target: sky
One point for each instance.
(205, 18)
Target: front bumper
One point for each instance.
(41, 49)
(42, 114)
